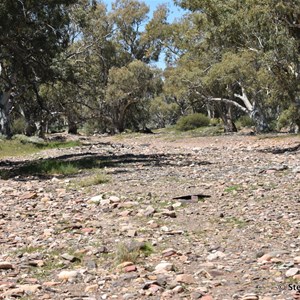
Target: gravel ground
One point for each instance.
(234, 236)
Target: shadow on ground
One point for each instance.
(277, 150)
(71, 164)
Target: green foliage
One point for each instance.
(123, 254)
(51, 167)
(130, 88)
(98, 178)
(232, 188)
(245, 121)
(214, 121)
(288, 118)
(192, 122)
(23, 145)
(32, 34)
(163, 113)
(244, 55)
(18, 126)
(131, 252)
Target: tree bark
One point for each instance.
(72, 127)
(5, 108)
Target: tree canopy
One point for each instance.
(76, 63)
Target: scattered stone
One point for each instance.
(114, 199)
(168, 213)
(91, 288)
(6, 265)
(69, 257)
(131, 268)
(149, 211)
(164, 267)
(291, 272)
(132, 233)
(206, 297)
(68, 275)
(297, 260)
(215, 255)
(28, 196)
(178, 289)
(185, 278)
(168, 252)
(96, 199)
(250, 296)
(30, 289)
(124, 265)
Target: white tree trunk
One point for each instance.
(5, 108)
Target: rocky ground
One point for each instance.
(129, 239)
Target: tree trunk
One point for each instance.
(72, 127)
(225, 111)
(5, 108)
(261, 123)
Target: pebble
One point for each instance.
(216, 255)
(250, 296)
(291, 272)
(178, 289)
(168, 252)
(164, 267)
(6, 265)
(124, 264)
(131, 268)
(95, 199)
(91, 288)
(68, 275)
(149, 211)
(185, 278)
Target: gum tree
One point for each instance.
(32, 33)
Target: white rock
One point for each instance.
(291, 272)
(164, 267)
(95, 199)
(68, 275)
(104, 202)
(216, 255)
(114, 199)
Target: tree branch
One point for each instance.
(231, 102)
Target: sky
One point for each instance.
(175, 12)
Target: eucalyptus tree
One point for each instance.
(129, 91)
(247, 55)
(32, 33)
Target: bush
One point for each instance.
(192, 122)
(289, 118)
(18, 126)
(214, 122)
(245, 121)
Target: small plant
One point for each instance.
(232, 188)
(95, 179)
(191, 122)
(147, 249)
(123, 254)
(50, 167)
(236, 222)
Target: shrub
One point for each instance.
(192, 122)
(96, 179)
(289, 118)
(214, 122)
(18, 126)
(245, 121)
